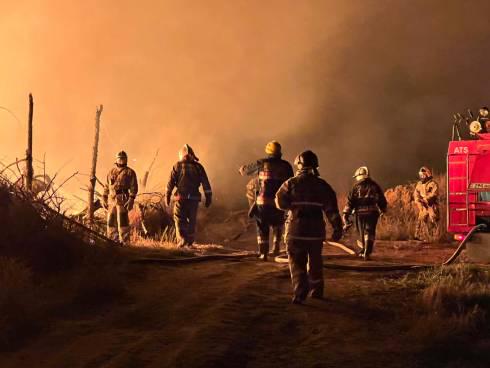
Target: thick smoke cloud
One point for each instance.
(360, 82)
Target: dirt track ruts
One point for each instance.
(227, 314)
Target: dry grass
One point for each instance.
(45, 266)
(171, 249)
(454, 311)
(449, 308)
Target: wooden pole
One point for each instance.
(93, 170)
(29, 168)
(144, 182)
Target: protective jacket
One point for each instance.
(425, 194)
(365, 198)
(187, 176)
(272, 172)
(307, 197)
(121, 183)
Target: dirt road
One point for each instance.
(231, 314)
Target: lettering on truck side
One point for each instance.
(461, 150)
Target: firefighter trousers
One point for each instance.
(118, 223)
(306, 267)
(427, 224)
(185, 219)
(268, 217)
(366, 226)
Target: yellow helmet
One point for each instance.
(273, 148)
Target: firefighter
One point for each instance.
(426, 198)
(187, 176)
(484, 119)
(307, 198)
(118, 198)
(271, 171)
(367, 202)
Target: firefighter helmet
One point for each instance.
(306, 159)
(361, 173)
(475, 127)
(187, 151)
(273, 148)
(121, 158)
(425, 173)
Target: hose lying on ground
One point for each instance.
(392, 267)
(333, 266)
(196, 259)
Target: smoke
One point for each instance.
(359, 82)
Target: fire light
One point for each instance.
(458, 237)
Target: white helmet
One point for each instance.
(187, 151)
(361, 173)
(425, 173)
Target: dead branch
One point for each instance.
(93, 178)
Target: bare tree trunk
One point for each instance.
(29, 168)
(144, 181)
(93, 170)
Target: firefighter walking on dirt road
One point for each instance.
(118, 198)
(307, 198)
(426, 198)
(187, 176)
(271, 172)
(367, 202)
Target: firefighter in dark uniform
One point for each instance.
(367, 202)
(118, 198)
(271, 172)
(484, 119)
(187, 176)
(307, 198)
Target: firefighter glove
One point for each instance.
(337, 235)
(129, 204)
(208, 201)
(347, 222)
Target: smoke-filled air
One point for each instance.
(359, 82)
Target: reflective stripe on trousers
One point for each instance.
(118, 228)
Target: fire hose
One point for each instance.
(328, 265)
(393, 267)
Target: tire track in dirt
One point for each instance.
(226, 314)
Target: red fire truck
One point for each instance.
(468, 192)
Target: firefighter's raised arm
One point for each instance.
(250, 169)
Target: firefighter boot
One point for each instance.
(369, 249)
(277, 236)
(263, 251)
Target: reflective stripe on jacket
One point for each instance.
(307, 198)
